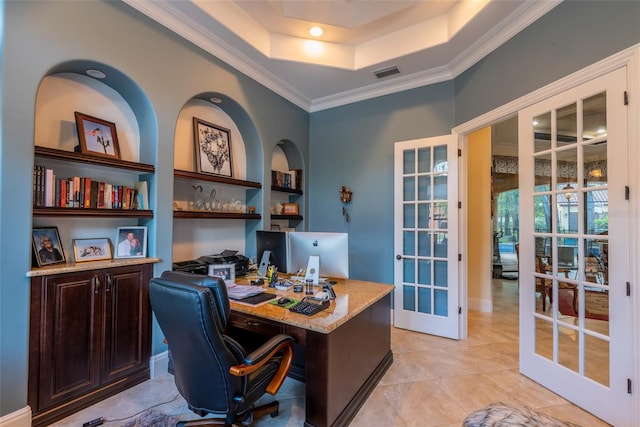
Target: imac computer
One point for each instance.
(324, 251)
(276, 243)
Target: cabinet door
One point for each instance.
(69, 362)
(126, 322)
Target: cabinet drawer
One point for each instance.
(255, 324)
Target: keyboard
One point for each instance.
(310, 306)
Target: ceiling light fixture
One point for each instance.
(96, 74)
(316, 31)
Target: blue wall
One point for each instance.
(353, 145)
(350, 145)
(169, 70)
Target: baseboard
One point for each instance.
(19, 418)
(158, 364)
(483, 305)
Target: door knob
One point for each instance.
(398, 257)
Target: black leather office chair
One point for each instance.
(212, 371)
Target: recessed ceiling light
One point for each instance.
(316, 31)
(97, 74)
(215, 100)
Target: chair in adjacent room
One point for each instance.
(544, 286)
(212, 371)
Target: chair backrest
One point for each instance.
(192, 312)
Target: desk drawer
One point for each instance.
(255, 324)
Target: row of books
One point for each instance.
(84, 192)
(291, 179)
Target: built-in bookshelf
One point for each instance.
(85, 202)
(215, 214)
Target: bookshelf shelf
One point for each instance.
(214, 215)
(286, 190)
(87, 212)
(287, 217)
(213, 178)
(70, 156)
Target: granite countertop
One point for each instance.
(352, 297)
(91, 265)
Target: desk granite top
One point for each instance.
(352, 297)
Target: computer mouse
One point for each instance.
(283, 301)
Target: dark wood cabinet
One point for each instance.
(89, 338)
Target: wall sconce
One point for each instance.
(345, 197)
(345, 194)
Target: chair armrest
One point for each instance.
(262, 355)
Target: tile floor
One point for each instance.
(433, 381)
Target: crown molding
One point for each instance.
(166, 14)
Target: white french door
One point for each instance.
(426, 236)
(574, 247)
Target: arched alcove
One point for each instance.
(214, 225)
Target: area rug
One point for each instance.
(153, 418)
(503, 415)
(597, 304)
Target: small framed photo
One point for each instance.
(131, 242)
(290, 209)
(225, 271)
(213, 148)
(47, 247)
(91, 249)
(97, 137)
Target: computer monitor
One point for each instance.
(566, 256)
(332, 248)
(276, 243)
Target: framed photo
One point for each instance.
(91, 249)
(97, 137)
(47, 248)
(131, 242)
(225, 271)
(213, 148)
(290, 209)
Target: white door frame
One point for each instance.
(630, 58)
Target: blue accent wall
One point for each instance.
(350, 145)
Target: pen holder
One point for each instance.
(309, 287)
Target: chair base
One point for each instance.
(271, 408)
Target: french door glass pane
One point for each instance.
(544, 338)
(409, 297)
(594, 158)
(542, 214)
(423, 215)
(566, 125)
(409, 189)
(424, 272)
(408, 162)
(595, 117)
(424, 243)
(424, 300)
(440, 273)
(440, 302)
(409, 216)
(542, 136)
(408, 270)
(409, 242)
(424, 160)
(424, 187)
(542, 169)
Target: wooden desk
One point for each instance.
(341, 352)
